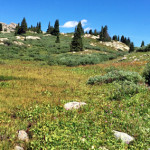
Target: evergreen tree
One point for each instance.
(104, 36)
(122, 39)
(142, 44)
(56, 28)
(101, 34)
(48, 29)
(1, 27)
(118, 38)
(18, 29)
(23, 26)
(90, 31)
(128, 41)
(95, 32)
(57, 39)
(115, 38)
(76, 44)
(38, 27)
(131, 47)
(81, 28)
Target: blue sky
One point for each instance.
(130, 18)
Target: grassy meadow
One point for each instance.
(35, 85)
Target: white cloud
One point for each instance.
(87, 29)
(83, 22)
(72, 24)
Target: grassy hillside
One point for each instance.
(45, 49)
(33, 95)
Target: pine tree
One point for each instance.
(38, 27)
(90, 31)
(56, 28)
(81, 28)
(128, 41)
(76, 44)
(1, 27)
(48, 29)
(131, 47)
(95, 32)
(115, 38)
(142, 44)
(122, 39)
(18, 29)
(104, 36)
(101, 34)
(118, 38)
(57, 39)
(23, 26)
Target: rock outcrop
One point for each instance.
(8, 28)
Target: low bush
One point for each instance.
(116, 75)
(144, 49)
(146, 73)
(124, 89)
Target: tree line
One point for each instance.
(76, 44)
(23, 28)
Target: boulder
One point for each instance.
(73, 105)
(123, 136)
(23, 136)
(18, 148)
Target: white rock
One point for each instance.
(3, 39)
(116, 45)
(20, 38)
(23, 136)
(73, 105)
(18, 43)
(103, 148)
(33, 38)
(9, 28)
(123, 136)
(18, 148)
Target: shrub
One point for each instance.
(124, 89)
(144, 49)
(116, 75)
(146, 73)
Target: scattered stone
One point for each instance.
(123, 136)
(74, 105)
(92, 44)
(33, 38)
(20, 38)
(18, 43)
(103, 148)
(18, 148)
(47, 35)
(124, 58)
(23, 136)
(28, 38)
(3, 39)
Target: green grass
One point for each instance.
(47, 50)
(33, 95)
